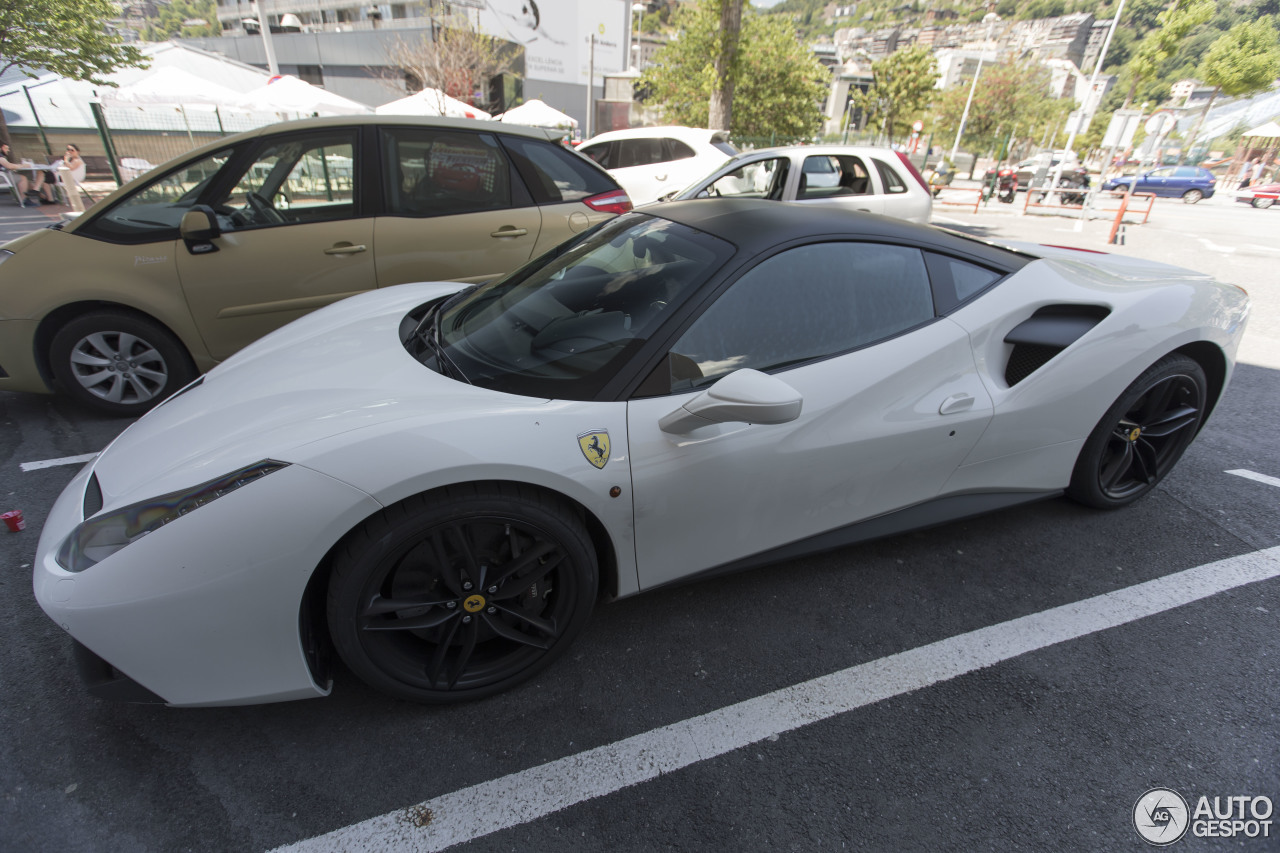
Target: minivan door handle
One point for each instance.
(345, 249)
(509, 232)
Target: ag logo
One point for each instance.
(1160, 816)
(595, 446)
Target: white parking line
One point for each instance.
(1253, 475)
(1209, 244)
(539, 791)
(53, 463)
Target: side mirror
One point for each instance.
(744, 396)
(199, 226)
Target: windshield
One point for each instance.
(563, 325)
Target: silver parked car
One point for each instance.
(876, 180)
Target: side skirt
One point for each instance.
(929, 514)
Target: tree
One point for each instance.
(172, 21)
(1243, 61)
(901, 89)
(459, 62)
(67, 37)
(1010, 98)
(725, 62)
(778, 82)
(1161, 43)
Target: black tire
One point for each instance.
(1192, 196)
(1142, 435)
(421, 605)
(1263, 203)
(119, 363)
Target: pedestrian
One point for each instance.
(20, 180)
(1247, 172)
(73, 161)
(1256, 177)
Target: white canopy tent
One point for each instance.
(538, 113)
(431, 102)
(288, 94)
(172, 86)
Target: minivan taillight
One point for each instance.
(915, 173)
(616, 201)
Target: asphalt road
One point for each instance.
(1043, 750)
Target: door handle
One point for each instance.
(345, 249)
(956, 403)
(509, 232)
(661, 177)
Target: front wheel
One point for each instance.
(1192, 196)
(1142, 435)
(461, 595)
(1263, 203)
(119, 363)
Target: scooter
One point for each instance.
(1003, 184)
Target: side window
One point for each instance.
(1186, 172)
(1166, 172)
(443, 172)
(804, 304)
(955, 281)
(892, 181)
(600, 153)
(826, 176)
(639, 152)
(154, 211)
(300, 179)
(555, 174)
(761, 179)
(677, 150)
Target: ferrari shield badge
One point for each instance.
(595, 446)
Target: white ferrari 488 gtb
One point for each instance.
(439, 482)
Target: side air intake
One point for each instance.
(1045, 334)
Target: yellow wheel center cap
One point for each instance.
(473, 603)
(1134, 433)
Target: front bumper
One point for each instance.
(205, 610)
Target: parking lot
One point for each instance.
(1016, 681)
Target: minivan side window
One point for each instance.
(555, 175)
(433, 172)
(154, 211)
(294, 180)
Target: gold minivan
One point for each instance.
(182, 267)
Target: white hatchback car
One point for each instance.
(875, 180)
(650, 162)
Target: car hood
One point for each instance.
(339, 369)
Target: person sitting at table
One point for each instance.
(24, 186)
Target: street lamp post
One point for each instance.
(990, 20)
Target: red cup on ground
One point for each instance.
(13, 520)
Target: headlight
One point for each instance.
(97, 538)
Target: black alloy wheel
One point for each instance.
(1142, 435)
(461, 594)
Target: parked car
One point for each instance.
(1190, 183)
(874, 180)
(651, 161)
(188, 264)
(442, 481)
(1260, 196)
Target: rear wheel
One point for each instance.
(119, 363)
(1192, 196)
(462, 594)
(1142, 435)
(1263, 203)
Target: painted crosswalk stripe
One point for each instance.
(1255, 476)
(54, 463)
(530, 794)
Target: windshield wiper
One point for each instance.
(428, 332)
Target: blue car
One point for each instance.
(1189, 183)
